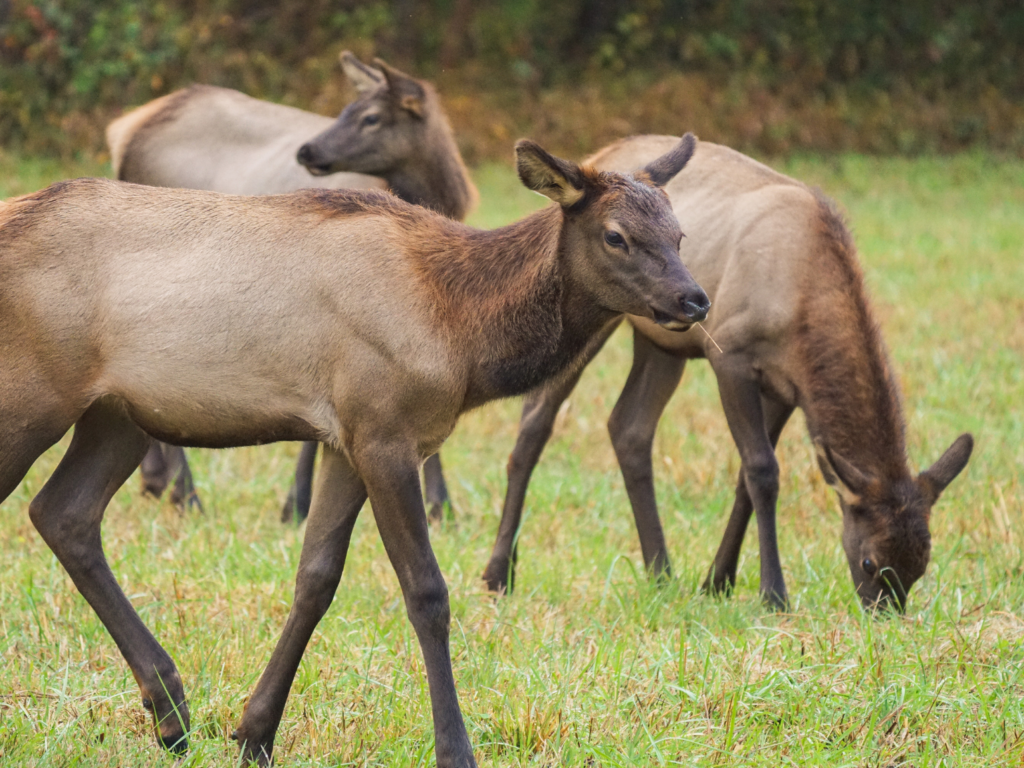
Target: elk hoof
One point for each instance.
(499, 580)
(775, 600)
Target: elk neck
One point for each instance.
(436, 178)
(509, 304)
(850, 395)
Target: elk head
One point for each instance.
(389, 121)
(885, 522)
(620, 235)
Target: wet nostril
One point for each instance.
(305, 155)
(695, 310)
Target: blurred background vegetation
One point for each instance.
(766, 76)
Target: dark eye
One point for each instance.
(614, 239)
(369, 120)
(869, 566)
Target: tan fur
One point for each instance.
(337, 316)
(790, 313)
(778, 265)
(204, 137)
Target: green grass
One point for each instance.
(588, 664)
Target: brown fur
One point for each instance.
(850, 394)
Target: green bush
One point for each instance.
(66, 66)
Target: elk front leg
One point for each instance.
(340, 494)
(722, 576)
(539, 412)
(68, 512)
(392, 478)
(296, 504)
(741, 400)
(435, 487)
(535, 425)
(652, 380)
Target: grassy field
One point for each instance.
(588, 664)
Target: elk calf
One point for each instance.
(349, 318)
(793, 329)
(220, 140)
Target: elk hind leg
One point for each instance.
(68, 512)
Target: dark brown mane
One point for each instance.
(497, 291)
(852, 398)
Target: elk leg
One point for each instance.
(164, 464)
(296, 504)
(154, 470)
(741, 399)
(652, 380)
(535, 425)
(184, 493)
(435, 487)
(68, 513)
(392, 479)
(722, 576)
(539, 412)
(340, 495)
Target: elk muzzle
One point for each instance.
(691, 306)
(309, 157)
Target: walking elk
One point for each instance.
(350, 318)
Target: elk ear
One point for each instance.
(364, 78)
(551, 176)
(940, 474)
(664, 169)
(407, 91)
(848, 481)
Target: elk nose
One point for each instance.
(695, 306)
(305, 155)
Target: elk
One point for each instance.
(349, 318)
(792, 327)
(217, 139)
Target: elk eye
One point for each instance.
(369, 120)
(869, 566)
(614, 239)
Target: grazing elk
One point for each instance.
(350, 318)
(792, 320)
(217, 139)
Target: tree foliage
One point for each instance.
(66, 66)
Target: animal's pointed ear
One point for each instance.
(364, 78)
(664, 169)
(940, 474)
(551, 176)
(407, 91)
(848, 481)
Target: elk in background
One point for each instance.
(217, 139)
(793, 328)
(349, 318)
